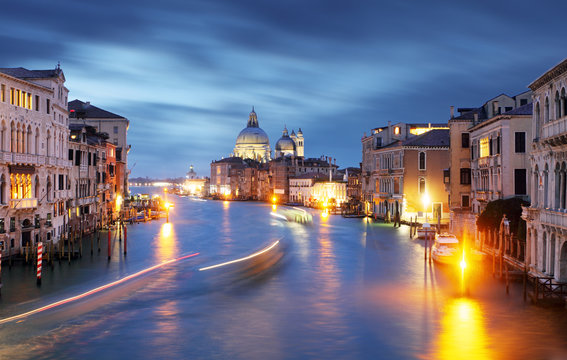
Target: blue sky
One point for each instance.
(186, 73)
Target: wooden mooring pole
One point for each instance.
(109, 242)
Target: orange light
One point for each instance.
(463, 262)
(274, 199)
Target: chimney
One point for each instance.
(452, 111)
(475, 120)
(496, 108)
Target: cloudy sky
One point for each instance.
(186, 73)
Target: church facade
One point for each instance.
(253, 142)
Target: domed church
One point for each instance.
(253, 142)
(289, 145)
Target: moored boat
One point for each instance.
(445, 249)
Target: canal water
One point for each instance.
(342, 289)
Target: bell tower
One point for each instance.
(299, 143)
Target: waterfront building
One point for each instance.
(352, 177)
(331, 192)
(111, 197)
(220, 184)
(252, 142)
(88, 199)
(382, 165)
(458, 174)
(34, 169)
(546, 243)
(290, 145)
(195, 185)
(116, 127)
(301, 188)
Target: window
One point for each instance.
(523, 102)
(465, 201)
(116, 129)
(520, 181)
(484, 147)
(48, 221)
(12, 224)
(520, 138)
(77, 157)
(396, 185)
(397, 130)
(465, 176)
(48, 105)
(89, 159)
(2, 229)
(421, 186)
(71, 154)
(37, 103)
(498, 144)
(465, 140)
(12, 96)
(508, 108)
(378, 142)
(422, 160)
(61, 182)
(3, 93)
(115, 142)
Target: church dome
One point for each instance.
(251, 136)
(285, 145)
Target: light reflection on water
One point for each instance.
(349, 288)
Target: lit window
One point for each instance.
(484, 147)
(397, 130)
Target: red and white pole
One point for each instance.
(39, 261)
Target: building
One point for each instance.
(87, 202)
(499, 158)
(459, 176)
(34, 169)
(290, 145)
(220, 184)
(252, 142)
(546, 243)
(115, 126)
(376, 147)
(195, 185)
(301, 188)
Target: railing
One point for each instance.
(554, 128)
(52, 161)
(547, 288)
(29, 203)
(554, 217)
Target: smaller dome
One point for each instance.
(285, 145)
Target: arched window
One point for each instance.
(29, 140)
(546, 111)
(37, 141)
(422, 160)
(537, 121)
(36, 188)
(3, 189)
(544, 253)
(563, 103)
(13, 147)
(536, 187)
(48, 189)
(557, 199)
(552, 255)
(421, 186)
(557, 106)
(546, 187)
(48, 143)
(3, 136)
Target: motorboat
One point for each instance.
(445, 249)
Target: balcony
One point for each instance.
(554, 217)
(29, 203)
(488, 161)
(554, 133)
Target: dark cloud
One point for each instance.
(187, 72)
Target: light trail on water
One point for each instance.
(241, 259)
(93, 291)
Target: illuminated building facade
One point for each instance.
(116, 127)
(89, 192)
(194, 185)
(459, 175)
(546, 242)
(385, 173)
(34, 169)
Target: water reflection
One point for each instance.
(166, 247)
(462, 334)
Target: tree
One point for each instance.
(490, 218)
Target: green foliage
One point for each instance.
(492, 215)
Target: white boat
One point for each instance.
(445, 249)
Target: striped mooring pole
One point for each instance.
(39, 260)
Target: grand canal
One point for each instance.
(343, 288)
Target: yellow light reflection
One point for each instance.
(324, 214)
(274, 207)
(463, 334)
(166, 247)
(225, 204)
